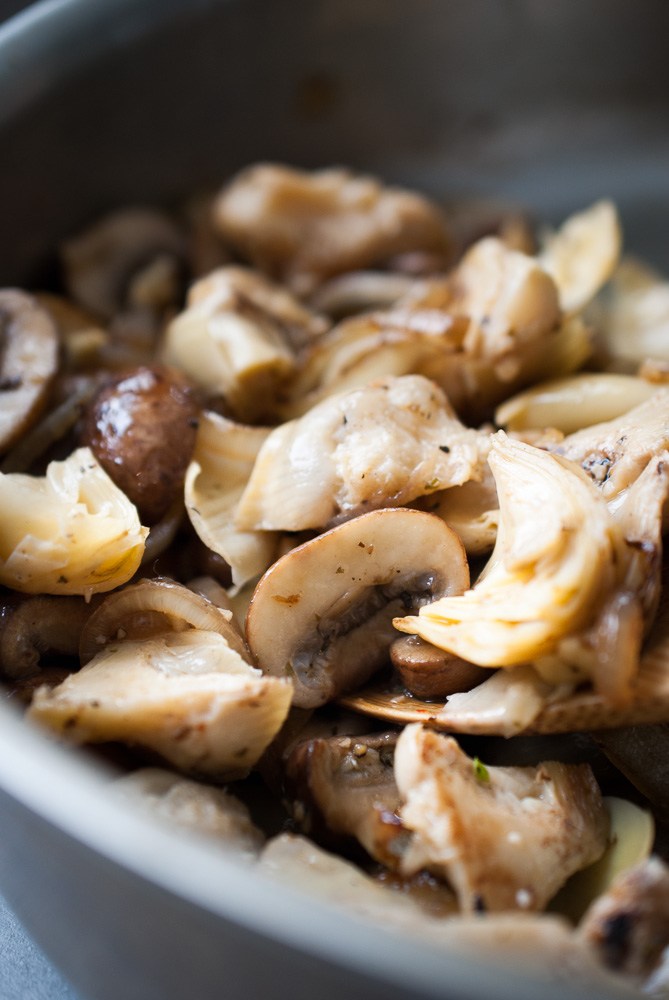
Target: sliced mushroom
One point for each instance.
(30, 628)
(141, 427)
(641, 754)
(224, 456)
(71, 532)
(429, 672)
(304, 227)
(628, 927)
(322, 614)
(151, 607)
(582, 255)
(344, 787)
(381, 445)
(28, 363)
(209, 812)
(111, 266)
(239, 337)
(504, 837)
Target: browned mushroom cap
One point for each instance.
(345, 786)
(28, 362)
(131, 257)
(429, 672)
(42, 624)
(322, 614)
(141, 427)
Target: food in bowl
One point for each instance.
(308, 447)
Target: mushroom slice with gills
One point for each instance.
(151, 607)
(582, 255)
(381, 445)
(572, 403)
(554, 558)
(240, 336)
(70, 532)
(39, 625)
(628, 927)
(28, 363)
(322, 614)
(167, 670)
(303, 227)
(223, 460)
(109, 267)
(505, 838)
(211, 813)
(344, 787)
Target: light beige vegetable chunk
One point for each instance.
(574, 402)
(303, 227)
(223, 461)
(504, 837)
(554, 557)
(213, 813)
(71, 532)
(28, 363)
(381, 445)
(582, 255)
(239, 337)
(186, 695)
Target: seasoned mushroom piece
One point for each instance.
(28, 363)
(628, 927)
(303, 227)
(382, 445)
(239, 337)
(31, 627)
(213, 813)
(141, 427)
(504, 837)
(131, 258)
(429, 672)
(322, 614)
(345, 786)
(70, 532)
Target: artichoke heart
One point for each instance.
(70, 532)
(186, 695)
(554, 556)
